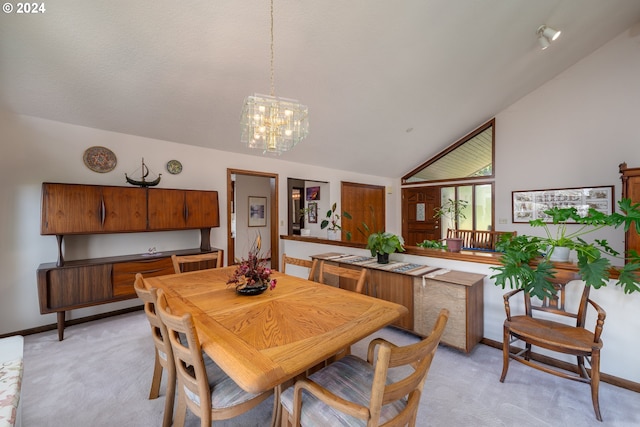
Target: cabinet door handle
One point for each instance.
(102, 213)
(186, 212)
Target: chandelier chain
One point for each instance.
(273, 89)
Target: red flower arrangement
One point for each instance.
(253, 272)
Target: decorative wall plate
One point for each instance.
(100, 159)
(174, 167)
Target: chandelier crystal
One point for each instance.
(271, 123)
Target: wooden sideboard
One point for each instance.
(96, 209)
(424, 290)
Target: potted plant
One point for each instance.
(432, 244)
(382, 243)
(332, 223)
(453, 210)
(526, 260)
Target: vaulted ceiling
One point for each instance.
(388, 83)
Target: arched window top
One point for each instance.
(470, 157)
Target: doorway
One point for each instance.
(244, 188)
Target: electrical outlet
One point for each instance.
(502, 221)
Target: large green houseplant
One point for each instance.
(453, 210)
(526, 264)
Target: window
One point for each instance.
(446, 176)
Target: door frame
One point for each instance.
(273, 214)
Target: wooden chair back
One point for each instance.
(196, 380)
(478, 239)
(414, 361)
(184, 263)
(332, 274)
(163, 351)
(306, 263)
(190, 370)
(419, 356)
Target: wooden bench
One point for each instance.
(478, 239)
(11, 368)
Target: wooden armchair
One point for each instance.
(183, 263)
(352, 391)
(552, 334)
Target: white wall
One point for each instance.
(37, 150)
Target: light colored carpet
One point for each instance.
(100, 376)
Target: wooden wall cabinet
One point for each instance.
(175, 209)
(95, 209)
(90, 209)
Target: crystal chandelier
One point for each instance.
(270, 123)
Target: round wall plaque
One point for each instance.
(99, 159)
(174, 167)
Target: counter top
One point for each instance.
(407, 268)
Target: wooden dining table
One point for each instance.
(264, 340)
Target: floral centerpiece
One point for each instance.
(252, 276)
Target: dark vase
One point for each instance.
(383, 258)
(251, 290)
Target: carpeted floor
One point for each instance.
(100, 376)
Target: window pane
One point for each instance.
(483, 207)
(465, 193)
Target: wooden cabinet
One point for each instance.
(84, 283)
(424, 291)
(396, 288)
(89, 209)
(94, 209)
(174, 209)
(631, 190)
(459, 292)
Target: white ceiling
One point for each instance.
(368, 70)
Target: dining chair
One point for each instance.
(306, 263)
(343, 277)
(163, 351)
(352, 391)
(184, 263)
(550, 332)
(204, 388)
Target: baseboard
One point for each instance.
(609, 379)
(54, 326)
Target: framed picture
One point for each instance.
(530, 205)
(313, 193)
(257, 211)
(313, 213)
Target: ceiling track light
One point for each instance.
(546, 35)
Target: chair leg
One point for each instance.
(527, 354)
(181, 410)
(505, 354)
(595, 382)
(157, 378)
(169, 398)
